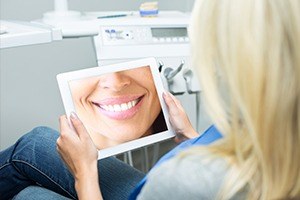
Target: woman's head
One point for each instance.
(117, 107)
(247, 53)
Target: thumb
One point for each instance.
(78, 125)
(172, 107)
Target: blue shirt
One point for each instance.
(209, 136)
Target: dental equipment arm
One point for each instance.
(169, 74)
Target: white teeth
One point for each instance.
(129, 105)
(124, 106)
(134, 102)
(119, 107)
(105, 107)
(111, 108)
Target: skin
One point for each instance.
(93, 96)
(80, 154)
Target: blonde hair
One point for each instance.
(254, 45)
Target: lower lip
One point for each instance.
(122, 115)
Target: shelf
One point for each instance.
(21, 33)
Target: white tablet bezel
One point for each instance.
(63, 83)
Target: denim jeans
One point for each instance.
(34, 161)
(38, 193)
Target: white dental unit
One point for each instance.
(20, 33)
(164, 37)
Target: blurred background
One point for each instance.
(29, 94)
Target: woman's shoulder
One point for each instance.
(191, 176)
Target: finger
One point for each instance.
(58, 141)
(177, 102)
(60, 149)
(66, 128)
(78, 126)
(63, 123)
(172, 107)
(59, 144)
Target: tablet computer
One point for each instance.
(120, 105)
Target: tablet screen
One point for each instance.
(118, 107)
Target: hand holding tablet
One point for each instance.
(120, 105)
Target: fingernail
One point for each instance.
(167, 93)
(73, 115)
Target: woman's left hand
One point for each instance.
(77, 148)
(80, 154)
(179, 119)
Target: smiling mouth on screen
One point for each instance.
(119, 108)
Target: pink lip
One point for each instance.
(121, 115)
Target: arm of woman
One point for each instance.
(179, 119)
(80, 154)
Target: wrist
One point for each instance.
(191, 133)
(86, 181)
(86, 178)
(87, 172)
(87, 186)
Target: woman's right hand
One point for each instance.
(179, 119)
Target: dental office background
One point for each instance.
(29, 94)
